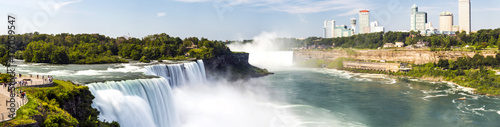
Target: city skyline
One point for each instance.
(227, 19)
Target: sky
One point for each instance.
(225, 19)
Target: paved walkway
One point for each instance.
(5, 95)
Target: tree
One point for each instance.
(443, 63)
(497, 56)
(489, 61)
(135, 55)
(144, 59)
(59, 56)
(492, 41)
(452, 65)
(477, 60)
(482, 46)
(4, 57)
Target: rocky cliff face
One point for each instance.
(410, 56)
(79, 105)
(232, 67)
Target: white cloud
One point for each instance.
(160, 14)
(352, 12)
(295, 6)
(487, 9)
(58, 6)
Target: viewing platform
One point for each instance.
(33, 81)
(30, 81)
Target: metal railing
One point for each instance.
(4, 116)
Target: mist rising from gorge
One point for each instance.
(266, 52)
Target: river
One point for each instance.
(136, 94)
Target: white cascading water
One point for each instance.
(179, 74)
(135, 103)
(184, 98)
(146, 102)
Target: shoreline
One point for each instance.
(434, 79)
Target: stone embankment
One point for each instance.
(408, 56)
(372, 66)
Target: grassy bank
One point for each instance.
(64, 104)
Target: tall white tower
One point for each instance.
(464, 15)
(329, 28)
(364, 21)
(333, 28)
(353, 25)
(325, 25)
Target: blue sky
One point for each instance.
(225, 19)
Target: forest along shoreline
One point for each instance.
(469, 70)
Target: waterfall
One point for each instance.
(179, 74)
(146, 102)
(142, 102)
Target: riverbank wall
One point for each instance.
(393, 67)
(408, 56)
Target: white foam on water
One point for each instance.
(22, 65)
(338, 73)
(391, 81)
(415, 80)
(55, 73)
(430, 96)
(88, 72)
(125, 68)
(122, 68)
(409, 86)
(432, 91)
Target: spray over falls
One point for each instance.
(146, 102)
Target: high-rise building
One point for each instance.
(446, 21)
(464, 15)
(375, 28)
(329, 28)
(418, 19)
(364, 21)
(353, 24)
